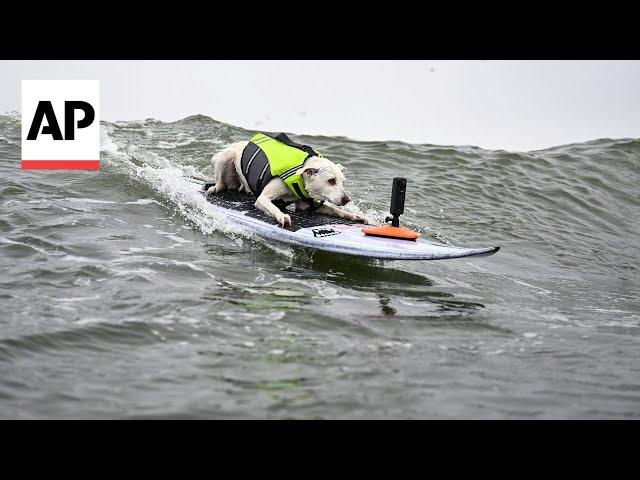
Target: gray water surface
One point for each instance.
(123, 296)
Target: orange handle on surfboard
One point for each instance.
(391, 232)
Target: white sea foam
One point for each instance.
(37, 249)
(178, 239)
(89, 200)
(106, 142)
(74, 258)
(193, 267)
(168, 180)
(76, 299)
(132, 250)
(173, 145)
(144, 201)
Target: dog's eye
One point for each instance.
(332, 181)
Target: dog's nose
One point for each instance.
(345, 199)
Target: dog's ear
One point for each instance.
(308, 172)
(342, 169)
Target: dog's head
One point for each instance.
(324, 180)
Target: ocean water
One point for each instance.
(124, 296)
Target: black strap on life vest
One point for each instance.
(282, 137)
(298, 190)
(312, 206)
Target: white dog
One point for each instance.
(235, 168)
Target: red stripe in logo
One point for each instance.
(60, 164)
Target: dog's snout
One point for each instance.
(345, 199)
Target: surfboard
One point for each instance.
(331, 234)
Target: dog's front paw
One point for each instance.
(211, 190)
(360, 218)
(284, 220)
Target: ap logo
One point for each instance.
(60, 125)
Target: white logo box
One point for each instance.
(46, 153)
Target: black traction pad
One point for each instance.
(244, 202)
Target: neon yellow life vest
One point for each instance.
(266, 157)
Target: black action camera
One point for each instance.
(397, 200)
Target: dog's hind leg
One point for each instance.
(217, 188)
(225, 174)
